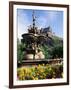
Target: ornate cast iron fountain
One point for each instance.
(33, 40)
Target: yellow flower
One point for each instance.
(36, 78)
(32, 77)
(43, 64)
(39, 65)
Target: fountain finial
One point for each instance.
(33, 15)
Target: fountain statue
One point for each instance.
(33, 40)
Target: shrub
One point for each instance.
(40, 72)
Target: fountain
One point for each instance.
(33, 40)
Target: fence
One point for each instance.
(36, 62)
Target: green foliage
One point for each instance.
(20, 52)
(57, 51)
(57, 40)
(44, 49)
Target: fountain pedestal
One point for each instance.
(32, 54)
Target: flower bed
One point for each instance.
(40, 72)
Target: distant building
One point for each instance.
(47, 31)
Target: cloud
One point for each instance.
(52, 15)
(41, 21)
(47, 18)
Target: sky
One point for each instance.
(44, 18)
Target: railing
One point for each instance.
(45, 61)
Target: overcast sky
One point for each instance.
(44, 18)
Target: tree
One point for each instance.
(20, 53)
(57, 51)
